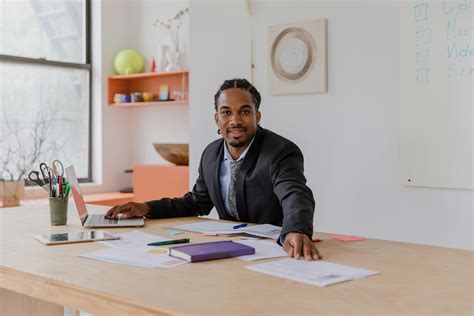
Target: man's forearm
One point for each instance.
(175, 207)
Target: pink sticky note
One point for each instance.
(348, 238)
(209, 234)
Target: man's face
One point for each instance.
(237, 117)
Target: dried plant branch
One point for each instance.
(173, 26)
(20, 157)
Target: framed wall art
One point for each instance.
(298, 58)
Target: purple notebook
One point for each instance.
(210, 251)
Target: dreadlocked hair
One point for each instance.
(242, 84)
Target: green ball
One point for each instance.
(128, 61)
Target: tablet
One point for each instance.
(73, 237)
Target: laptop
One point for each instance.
(95, 220)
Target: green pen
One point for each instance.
(68, 188)
(169, 242)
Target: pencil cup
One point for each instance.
(58, 210)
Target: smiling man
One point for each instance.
(251, 174)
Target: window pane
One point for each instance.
(44, 116)
(51, 29)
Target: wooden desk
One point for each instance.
(415, 279)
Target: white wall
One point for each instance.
(111, 128)
(349, 136)
(219, 50)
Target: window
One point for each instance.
(45, 89)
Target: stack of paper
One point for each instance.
(205, 226)
(131, 249)
(264, 230)
(318, 273)
(143, 257)
(133, 238)
(218, 228)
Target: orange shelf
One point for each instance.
(142, 104)
(150, 74)
(178, 81)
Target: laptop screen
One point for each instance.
(76, 193)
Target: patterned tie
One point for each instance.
(234, 169)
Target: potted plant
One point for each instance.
(11, 192)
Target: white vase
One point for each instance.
(173, 61)
(162, 57)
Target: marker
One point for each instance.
(239, 226)
(67, 188)
(60, 186)
(169, 242)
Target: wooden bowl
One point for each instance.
(174, 153)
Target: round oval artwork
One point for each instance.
(293, 54)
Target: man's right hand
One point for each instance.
(128, 210)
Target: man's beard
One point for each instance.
(237, 144)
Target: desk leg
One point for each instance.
(12, 303)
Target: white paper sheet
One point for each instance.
(320, 273)
(205, 226)
(250, 238)
(263, 230)
(135, 256)
(264, 249)
(133, 238)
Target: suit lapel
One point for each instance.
(248, 162)
(216, 190)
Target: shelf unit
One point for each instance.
(153, 182)
(149, 82)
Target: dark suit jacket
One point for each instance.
(271, 187)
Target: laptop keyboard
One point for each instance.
(99, 219)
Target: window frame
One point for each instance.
(70, 65)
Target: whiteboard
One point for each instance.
(436, 93)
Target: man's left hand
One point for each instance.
(299, 245)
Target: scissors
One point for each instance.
(35, 177)
(45, 172)
(57, 168)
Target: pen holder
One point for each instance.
(58, 210)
